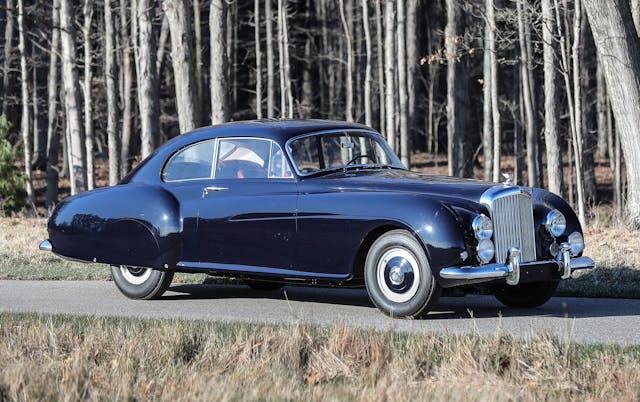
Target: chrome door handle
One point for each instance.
(214, 188)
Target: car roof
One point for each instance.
(279, 130)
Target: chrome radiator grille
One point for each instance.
(512, 216)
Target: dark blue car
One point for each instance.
(318, 203)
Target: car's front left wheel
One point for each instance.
(398, 276)
(141, 283)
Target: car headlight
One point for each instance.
(555, 223)
(576, 241)
(485, 250)
(482, 227)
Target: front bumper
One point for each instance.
(564, 265)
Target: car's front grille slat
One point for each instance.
(512, 216)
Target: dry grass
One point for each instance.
(615, 250)
(82, 358)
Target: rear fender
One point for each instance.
(132, 224)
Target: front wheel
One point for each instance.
(527, 294)
(398, 276)
(141, 283)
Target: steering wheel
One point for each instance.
(359, 156)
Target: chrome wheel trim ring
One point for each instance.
(381, 275)
(135, 275)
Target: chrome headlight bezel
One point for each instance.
(485, 250)
(555, 223)
(576, 241)
(482, 227)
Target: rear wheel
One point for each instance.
(398, 276)
(140, 282)
(262, 285)
(527, 294)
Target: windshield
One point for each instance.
(329, 151)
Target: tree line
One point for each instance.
(544, 89)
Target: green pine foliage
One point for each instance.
(12, 180)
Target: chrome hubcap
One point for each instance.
(398, 275)
(135, 275)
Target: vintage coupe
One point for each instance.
(318, 203)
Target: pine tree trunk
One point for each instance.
(147, 79)
(127, 82)
(601, 110)
(197, 27)
(402, 86)
(368, 113)
(495, 108)
(74, 127)
(551, 135)
(389, 74)
(24, 123)
(256, 13)
(183, 71)
(218, 27)
(86, 90)
(271, 85)
(162, 45)
(113, 136)
(380, 61)
(8, 51)
(635, 13)
(287, 56)
(349, 90)
(527, 95)
(456, 92)
(577, 95)
(413, 56)
(53, 141)
(487, 134)
(619, 50)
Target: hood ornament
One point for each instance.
(508, 179)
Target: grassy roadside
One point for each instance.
(615, 250)
(88, 358)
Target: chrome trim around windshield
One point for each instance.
(292, 161)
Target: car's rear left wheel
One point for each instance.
(140, 282)
(398, 276)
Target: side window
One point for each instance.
(190, 163)
(305, 154)
(243, 159)
(278, 167)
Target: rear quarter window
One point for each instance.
(190, 163)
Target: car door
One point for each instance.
(247, 215)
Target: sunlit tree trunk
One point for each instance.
(73, 103)
(183, 70)
(113, 135)
(389, 74)
(405, 155)
(52, 112)
(218, 26)
(8, 50)
(147, 79)
(619, 51)
(349, 71)
(86, 90)
(24, 123)
(552, 141)
(256, 13)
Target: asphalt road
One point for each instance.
(575, 319)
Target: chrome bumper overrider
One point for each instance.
(511, 270)
(45, 245)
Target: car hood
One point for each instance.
(448, 189)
